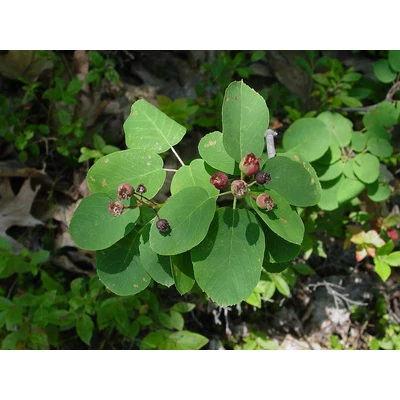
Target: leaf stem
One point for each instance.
(177, 156)
(170, 170)
(234, 203)
(221, 194)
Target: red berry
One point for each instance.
(163, 225)
(262, 177)
(239, 188)
(265, 202)
(250, 164)
(115, 208)
(219, 180)
(124, 191)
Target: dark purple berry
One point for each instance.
(124, 191)
(141, 189)
(263, 177)
(115, 208)
(163, 225)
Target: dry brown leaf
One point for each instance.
(15, 209)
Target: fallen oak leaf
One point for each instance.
(15, 209)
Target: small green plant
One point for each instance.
(189, 238)
(100, 149)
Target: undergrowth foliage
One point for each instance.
(190, 238)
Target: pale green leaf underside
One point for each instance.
(245, 119)
(149, 128)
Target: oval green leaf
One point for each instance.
(156, 265)
(127, 166)
(282, 220)
(383, 71)
(193, 175)
(380, 147)
(366, 168)
(245, 119)
(150, 129)
(119, 266)
(329, 201)
(358, 141)
(379, 191)
(329, 172)
(227, 263)
(182, 269)
(278, 250)
(212, 151)
(394, 60)
(339, 126)
(92, 227)
(309, 137)
(349, 189)
(189, 214)
(294, 179)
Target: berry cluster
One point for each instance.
(124, 192)
(250, 167)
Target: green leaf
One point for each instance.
(5, 303)
(150, 129)
(177, 321)
(383, 71)
(393, 259)
(351, 77)
(350, 101)
(339, 126)
(294, 179)
(182, 269)
(282, 220)
(84, 328)
(358, 141)
(380, 147)
(366, 167)
(382, 269)
(92, 227)
(379, 191)
(280, 284)
(127, 166)
(329, 172)
(309, 137)
(245, 119)
(254, 299)
(193, 175)
(278, 250)
(157, 266)
(189, 214)
(227, 263)
(329, 200)
(212, 151)
(304, 65)
(303, 269)
(332, 155)
(119, 266)
(183, 307)
(394, 60)
(276, 267)
(349, 189)
(97, 59)
(384, 115)
(74, 86)
(185, 340)
(257, 56)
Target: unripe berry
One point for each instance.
(262, 177)
(219, 180)
(239, 188)
(163, 225)
(141, 189)
(250, 164)
(265, 202)
(124, 191)
(115, 208)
